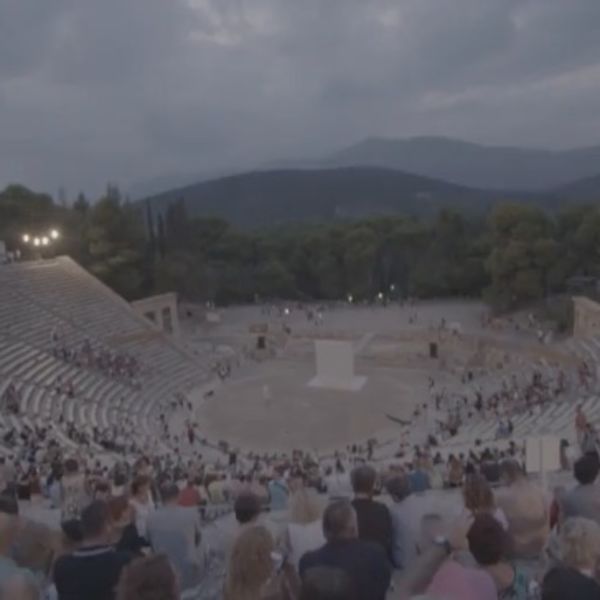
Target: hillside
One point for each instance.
(266, 198)
(582, 190)
(474, 165)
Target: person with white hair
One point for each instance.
(579, 551)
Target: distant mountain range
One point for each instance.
(412, 177)
(267, 198)
(465, 163)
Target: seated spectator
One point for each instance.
(217, 488)
(125, 535)
(419, 478)
(451, 580)
(92, 571)
(374, 522)
(584, 499)
(189, 495)
(304, 531)
(247, 509)
(324, 583)
(489, 544)
(278, 491)
(175, 531)
(490, 469)
(479, 498)
(102, 490)
(455, 471)
(9, 505)
(118, 483)
(222, 533)
(73, 491)
(150, 578)
(405, 512)
(561, 582)
(364, 562)
(256, 571)
(524, 506)
(579, 550)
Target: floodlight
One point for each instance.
(45, 240)
(54, 234)
(36, 241)
(26, 238)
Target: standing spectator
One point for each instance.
(125, 534)
(405, 512)
(581, 423)
(584, 499)
(141, 500)
(324, 583)
(150, 578)
(304, 531)
(479, 499)
(364, 562)
(92, 571)
(489, 544)
(175, 531)
(524, 505)
(256, 572)
(589, 441)
(374, 521)
(73, 491)
(222, 533)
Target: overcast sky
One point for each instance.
(127, 90)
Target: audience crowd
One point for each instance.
(144, 532)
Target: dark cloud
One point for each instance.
(97, 90)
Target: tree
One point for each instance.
(522, 253)
(115, 245)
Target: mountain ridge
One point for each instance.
(467, 163)
(267, 198)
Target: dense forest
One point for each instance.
(516, 255)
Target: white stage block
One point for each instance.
(542, 454)
(335, 366)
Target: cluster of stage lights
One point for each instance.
(41, 240)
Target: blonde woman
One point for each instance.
(255, 571)
(304, 531)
